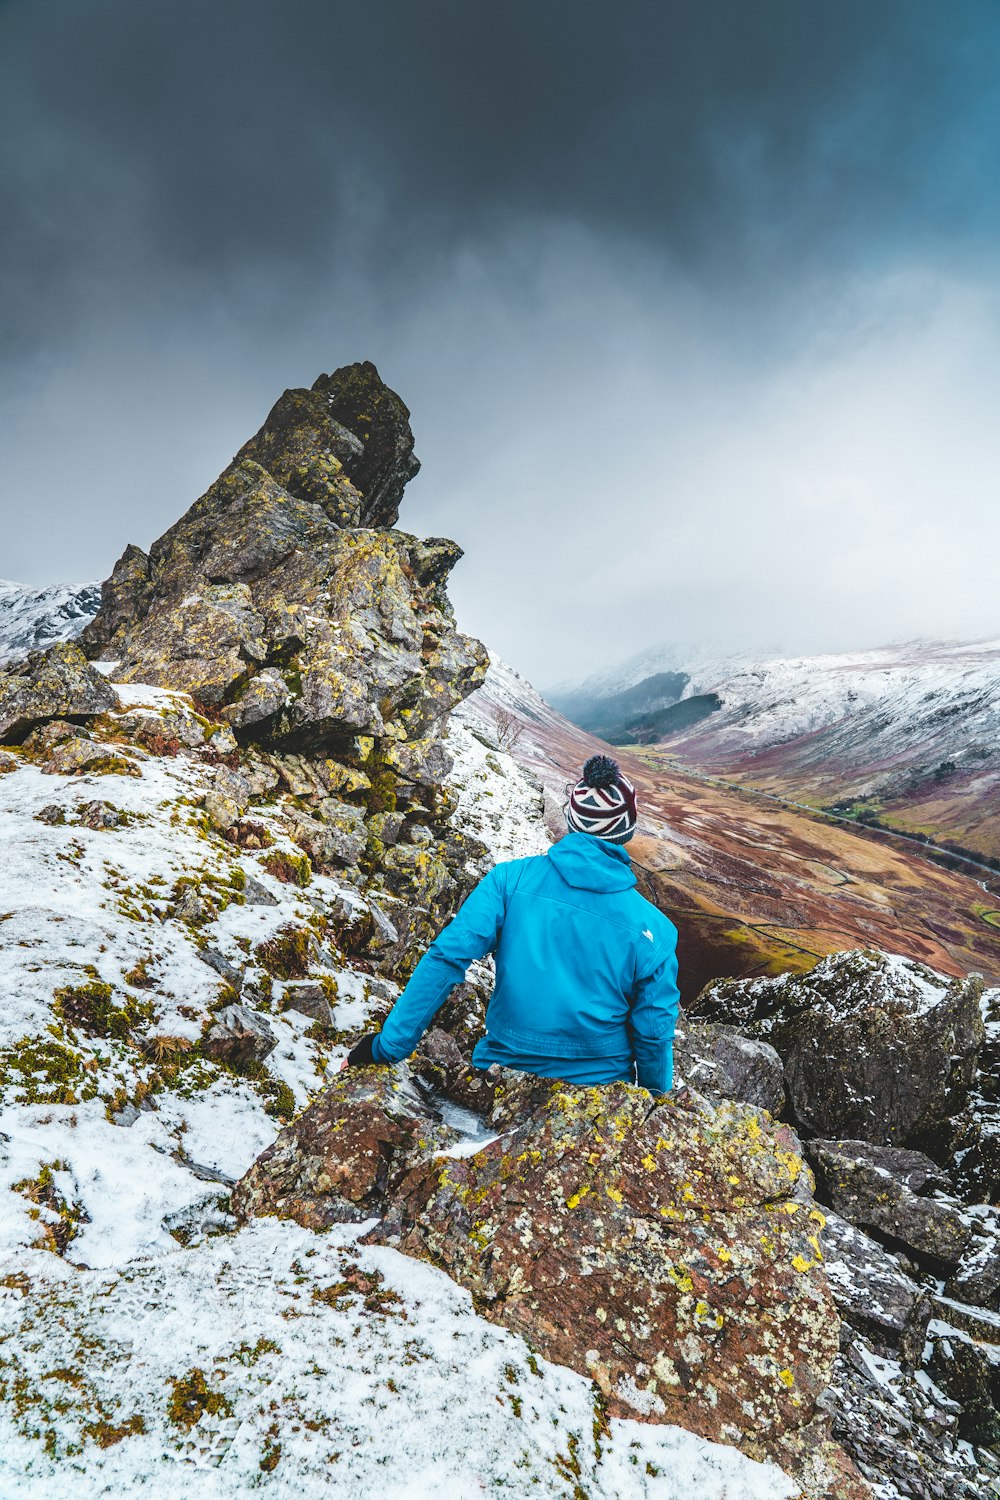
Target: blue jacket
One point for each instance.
(586, 986)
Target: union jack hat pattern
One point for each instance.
(602, 802)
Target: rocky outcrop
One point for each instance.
(874, 1047)
(902, 1430)
(879, 1188)
(718, 1060)
(279, 602)
(56, 684)
(318, 641)
(668, 1249)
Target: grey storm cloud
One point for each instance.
(632, 266)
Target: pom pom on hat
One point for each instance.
(600, 770)
(603, 802)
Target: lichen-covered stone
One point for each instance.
(874, 1047)
(82, 756)
(98, 814)
(340, 1160)
(659, 1248)
(56, 684)
(346, 445)
(336, 837)
(305, 635)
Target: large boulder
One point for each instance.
(880, 1188)
(56, 684)
(341, 1160)
(720, 1061)
(875, 1047)
(668, 1250)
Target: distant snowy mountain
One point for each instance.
(933, 703)
(641, 699)
(31, 619)
(700, 663)
(912, 729)
(940, 697)
(909, 735)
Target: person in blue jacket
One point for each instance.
(586, 968)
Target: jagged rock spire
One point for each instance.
(283, 600)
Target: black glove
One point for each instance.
(360, 1055)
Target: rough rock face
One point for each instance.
(717, 1060)
(874, 1047)
(346, 444)
(901, 1431)
(669, 1250)
(872, 1293)
(342, 1157)
(276, 603)
(879, 1188)
(56, 684)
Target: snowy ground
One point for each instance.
(146, 1346)
(310, 1367)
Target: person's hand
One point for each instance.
(361, 1055)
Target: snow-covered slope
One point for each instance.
(923, 693)
(146, 1343)
(31, 619)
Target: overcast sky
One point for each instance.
(695, 305)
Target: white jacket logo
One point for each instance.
(647, 934)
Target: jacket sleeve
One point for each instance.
(652, 1022)
(472, 933)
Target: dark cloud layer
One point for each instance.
(204, 200)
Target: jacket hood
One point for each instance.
(592, 864)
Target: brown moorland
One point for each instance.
(755, 887)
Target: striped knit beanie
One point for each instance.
(602, 802)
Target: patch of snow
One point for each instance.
(498, 802)
(333, 1368)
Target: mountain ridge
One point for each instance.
(33, 618)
